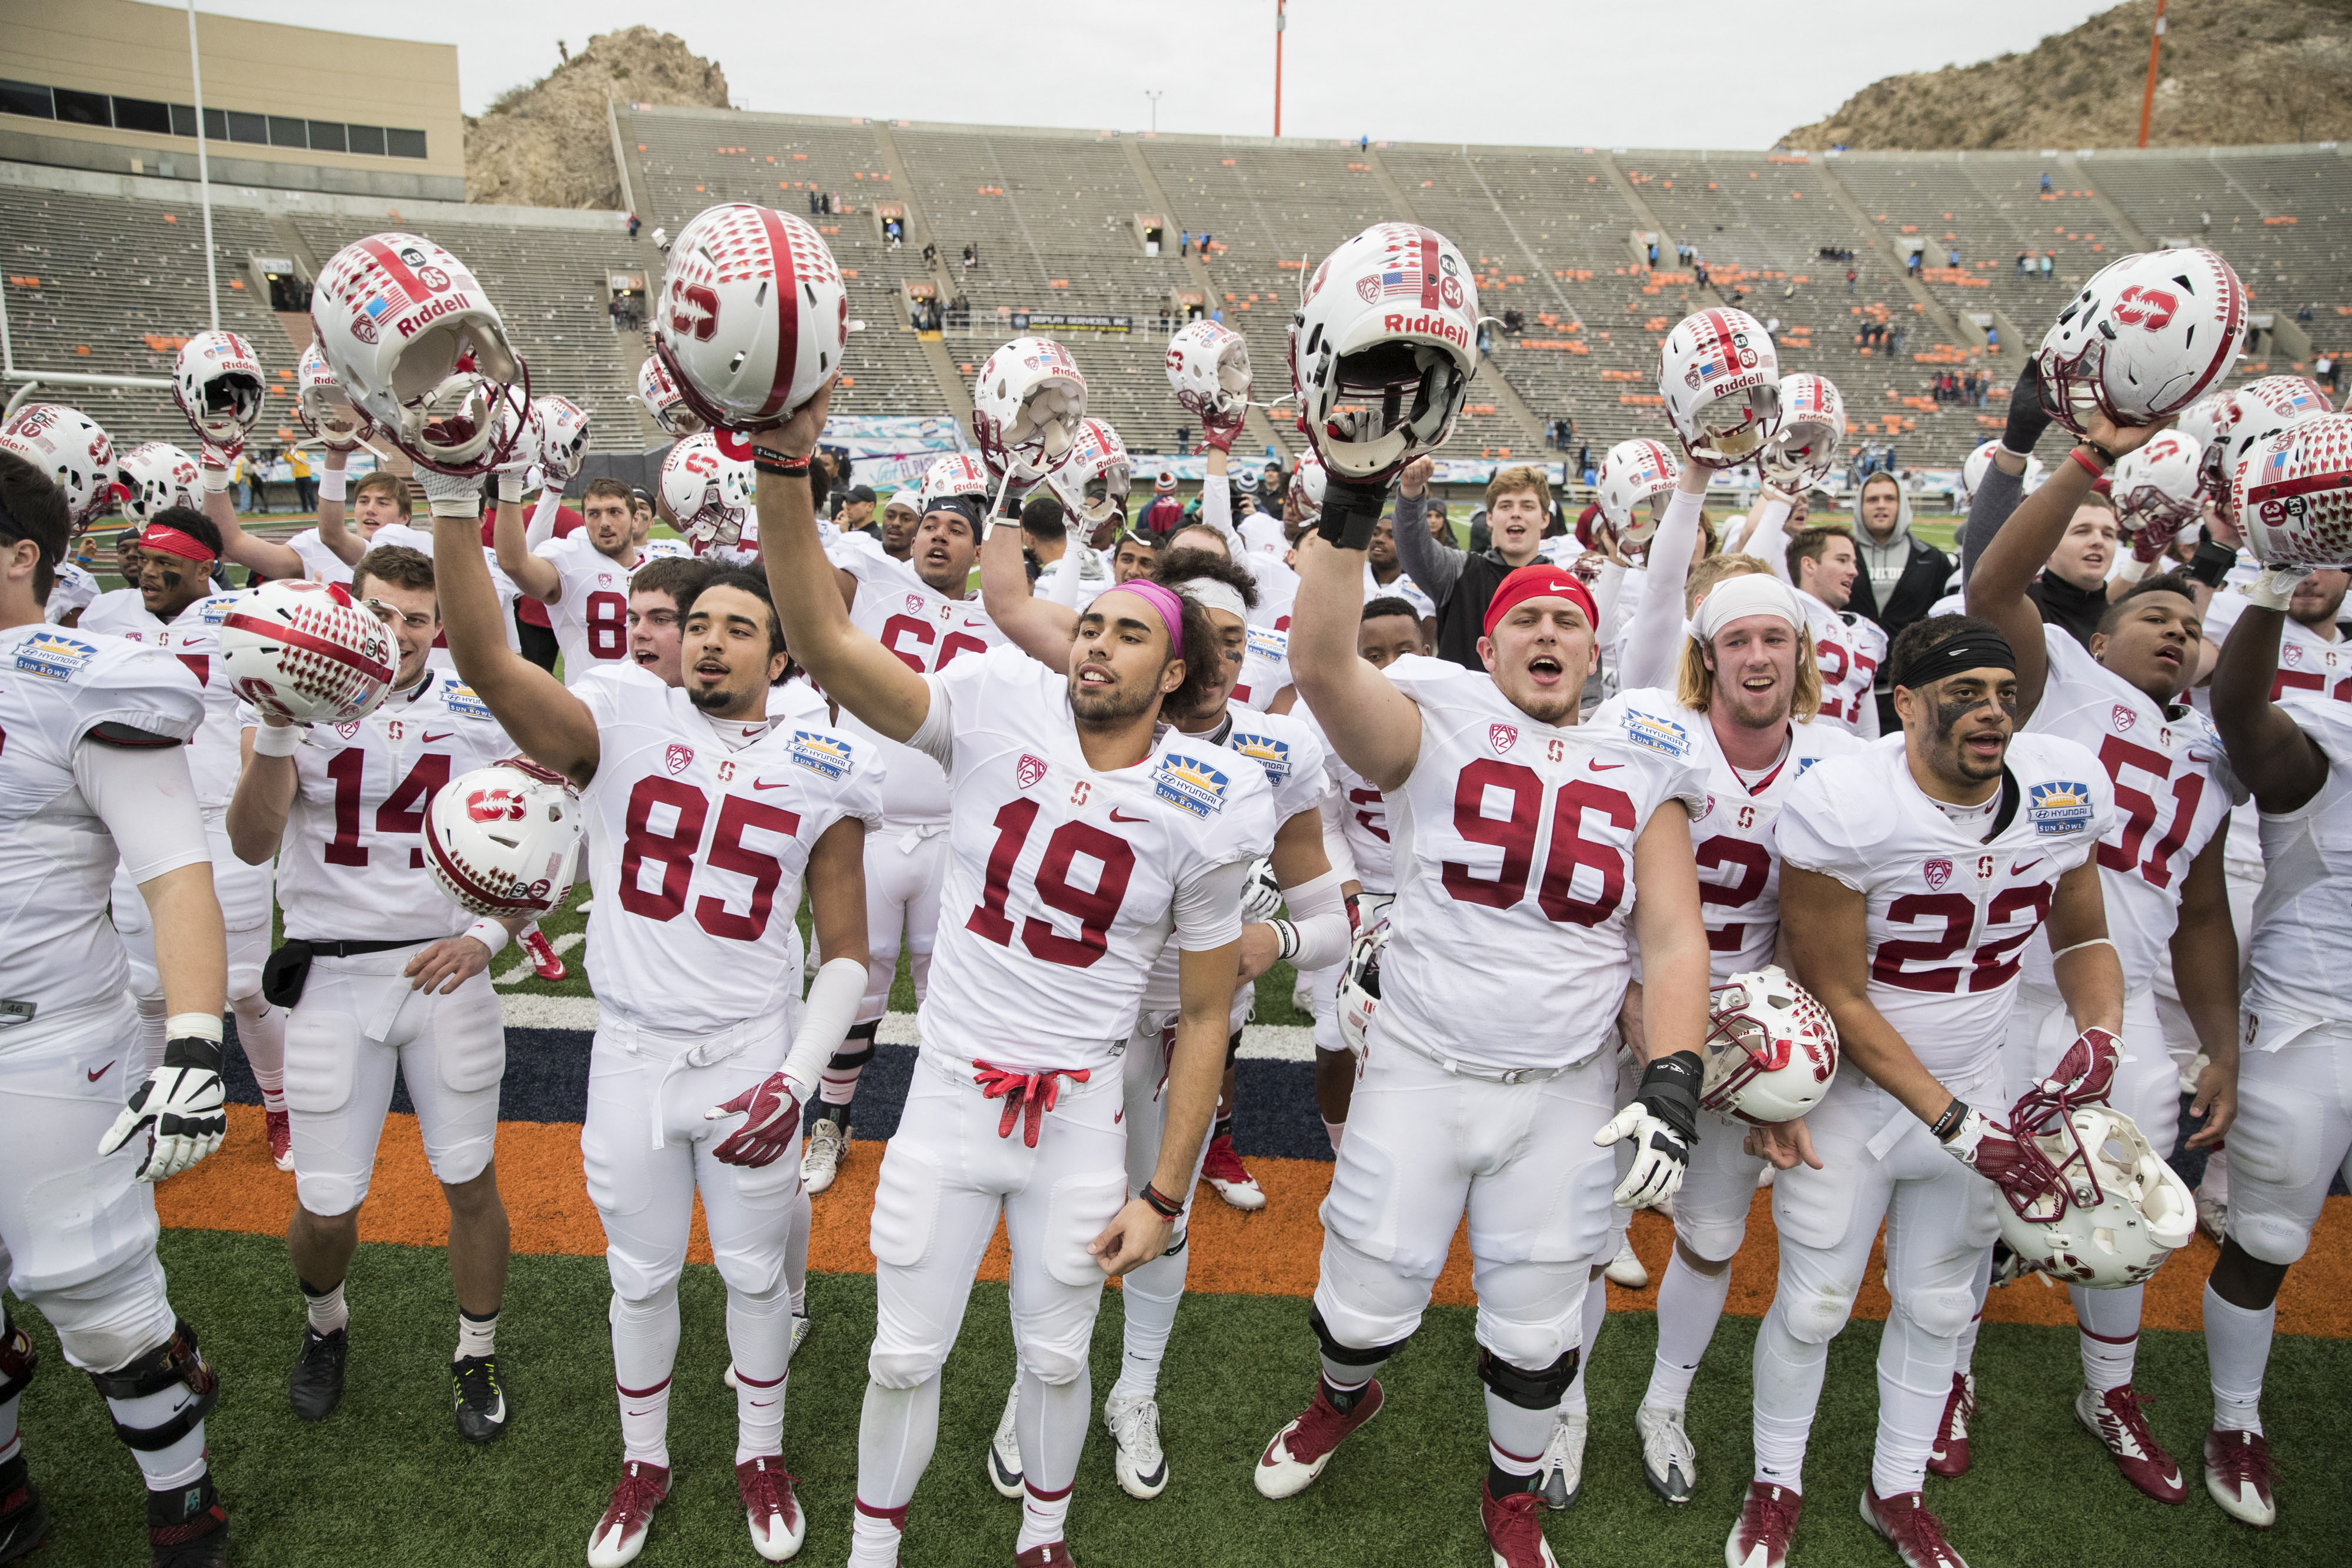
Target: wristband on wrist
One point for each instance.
(1163, 1205)
(511, 487)
(1945, 1125)
(1350, 512)
(2131, 568)
(193, 1026)
(2093, 458)
(215, 481)
(490, 934)
(277, 739)
(1286, 937)
(2211, 562)
(767, 461)
(331, 482)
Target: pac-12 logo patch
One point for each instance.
(2060, 806)
(1938, 872)
(1029, 769)
(2125, 718)
(1190, 785)
(1502, 736)
(680, 758)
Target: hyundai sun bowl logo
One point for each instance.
(1190, 785)
(2060, 806)
(822, 754)
(1268, 753)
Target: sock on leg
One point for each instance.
(1516, 1439)
(1787, 1390)
(837, 1085)
(2110, 1324)
(1343, 1385)
(1690, 1305)
(477, 1337)
(796, 1255)
(1915, 1380)
(261, 1035)
(896, 1430)
(325, 1309)
(760, 1337)
(1052, 1428)
(2238, 1347)
(1964, 1354)
(1151, 1295)
(645, 1350)
(874, 1535)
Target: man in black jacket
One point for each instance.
(1902, 576)
(1518, 503)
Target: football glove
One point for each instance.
(1260, 894)
(1987, 1147)
(451, 495)
(2027, 418)
(2087, 1070)
(772, 1124)
(1663, 1121)
(1221, 433)
(182, 1105)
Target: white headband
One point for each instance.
(1210, 594)
(1736, 598)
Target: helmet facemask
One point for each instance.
(454, 415)
(1387, 403)
(1734, 429)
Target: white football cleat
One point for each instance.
(1626, 1269)
(821, 1160)
(1669, 1463)
(729, 1378)
(800, 1333)
(778, 1525)
(1137, 1461)
(1562, 1465)
(620, 1535)
(1004, 1451)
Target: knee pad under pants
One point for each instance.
(1718, 1191)
(1532, 1314)
(104, 1322)
(2292, 1134)
(1364, 1303)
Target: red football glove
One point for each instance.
(772, 1124)
(1987, 1147)
(1221, 433)
(2087, 1070)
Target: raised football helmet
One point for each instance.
(218, 382)
(1307, 479)
(1209, 368)
(1360, 986)
(2148, 336)
(2203, 423)
(67, 445)
(1635, 479)
(709, 494)
(155, 474)
(2292, 496)
(1771, 1049)
(658, 393)
(2156, 489)
(1720, 377)
(500, 840)
(1027, 406)
(307, 652)
(753, 316)
(2107, 1211)
(321, 404)
(2250, 417)
(1382, 349)
(1812, 427)
(953, 474)
(421, 351)
(562, 438)
(1972, 472)
(1094, 483)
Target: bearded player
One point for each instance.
(1049, 932)
(1528, 836)
(93, 773)
(1912, 875)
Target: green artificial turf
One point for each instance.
(386, 1480)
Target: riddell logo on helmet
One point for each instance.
(1429, 326)
(434, 310)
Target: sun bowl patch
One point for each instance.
(1663, 736)
(1190, 785)
(1265, 643)
(822, 754)
(1268, 753)
(215, 611)
(2059, 807)
(54, 656)
(462, 700)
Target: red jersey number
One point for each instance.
(674, 853)
(1515, 835)
(1094, 908)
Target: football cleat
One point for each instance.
(1515, 1529)
(828, 1145)
(2118, 1418)
(1300, 1450)
(1223, 1170)
(1626, 1269)
(482, 1409)
(188, 1527)
(800, 1333)
(1137, 1461)
(620, 1535)
(24, 1517)
(2238, 1475)
(281, 1139)
(1767, 1522)
(778, 1525)
(1917, 1536)
(316, 1386)
(1051, 1554)
(1669, 1463)
(545, 961)
(1949, 1456)
(1561, 1468)
(1004, 1451)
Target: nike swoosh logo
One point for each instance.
(1603, 767)
(763, 784)
(2018, 868)
(1117, 817)
(445, 734)
(103, 1070)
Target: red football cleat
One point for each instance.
(778, 1526)
(1949, 1456)
(620, 1535)
(2117, 1419)
(1222, 1169)
(545, 962)
(1300, 1450)
(1515, 1529)
(2238, 1475)
(281, 1139)
(1917, 1536)
(1767, 1522)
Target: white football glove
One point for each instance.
(451, 495)
(183, 1104)
(1260, 894)
(1663, 1121)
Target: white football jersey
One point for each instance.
(1849, 648)
(666, 550)
(1061, 878)
(1515, 872)
(1265, 666)
(1363, 813)
(1732, 835)
(1949, 907)
(590, 613)
(57, 949)
(1403, 588)
(699, 832)
(2173, 788)
(1094, 575)
(2302, 949)
(351, 865)
(73, 590)
(927, 631)
(319, 564)
(194, 637)
(1262, 533)
(1278, 590)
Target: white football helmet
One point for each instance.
(2109, 1210)
(1972, 472)
(1027, 406)
(956, 474)
(709, 494)
(2250, 417)
(2203, 422)
(1635, 479)
(421, 351)
(1813, 428)
(155, 474)
(500, 840)
(1307, 479)
(562, 438)
(1094, 483)
(1720, 377)
(658, 393)
(1209, 368)
(2148, 336)
(1360, 986)
(307, 652)
(218, 382)
(752, 318)
(321, 404)
(2293, 495)
(1771, 1049)
(2156, 489)
(67, 445)
(1382, 349)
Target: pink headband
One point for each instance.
(1165, 603)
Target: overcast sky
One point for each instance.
(1694, 73)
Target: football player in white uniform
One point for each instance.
(1821, 567)
(655, 591)
(1912, 873)
(706, 814)
(584, 580)
(920, 607)
(324, 553)
(1081, 842)
(1523, 836)
(381, 975)
(175, 609)
(2166, 892)
(94, 773)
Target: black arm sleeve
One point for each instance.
(1995, 500)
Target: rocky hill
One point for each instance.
(2233, 72)
(547, 145)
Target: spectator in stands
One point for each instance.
(1441, 527)
(2046, 182)
(1992, 339)
(970, 255)
(1165, 514)
(306, 488)
(1952, 256)
(1518, 503)
(815, 209)
(2324, 369)
(2049, 265)
(1184, 244)
(1698, 271)
(1902, 576)
(1207, 240)
(2025, 261)
(2072, 591)
(1652, 249)
(633, 226)
(1851, 273)
(1273, 486)
(1913, 263)
(1895, 340)
(1584, 461)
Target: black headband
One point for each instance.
(1971, 650)
(964, 506)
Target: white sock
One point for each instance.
(1596, 1313)
(896, 1431)
(261, 1035)
(760, 1336)
(325, 1309)
(2110, 1324)
(874, 1535)
(1151, 1296)
(1051, 1425)
(1332, 1130)
(180, 1463)
(477, 1337)
(1787, 1390)
(1516, 1436)
(2238, 1346)
(645, 1350)
(1690, 1305)
(796, 1255)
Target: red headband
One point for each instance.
(166, 540)
(1539, 581)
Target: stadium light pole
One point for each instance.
(2147, 99)
(1154, 97)
(204, 171)
(1280, 22)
